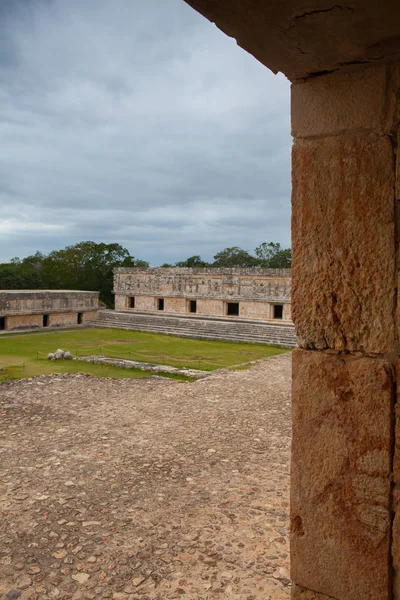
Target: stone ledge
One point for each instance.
(48, 311)
(204, 270)
(123, 363)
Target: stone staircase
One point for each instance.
(199, 328)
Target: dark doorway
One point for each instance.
(193, 306)
(132, 302)
(80, 315)
(161, 304)
(2, 323)
(233, 309)
(278, 311)
(45, 320)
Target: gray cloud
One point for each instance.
(140, 123)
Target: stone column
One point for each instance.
(345, 311)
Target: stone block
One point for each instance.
(342, 102)
(343, 235)
(300, 593)
(396, 496)
(340, 483)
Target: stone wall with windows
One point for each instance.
(28, 309)
(254, 294)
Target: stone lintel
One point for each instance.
(357, 99)
(303, 40)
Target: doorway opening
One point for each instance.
(192, 306)
(160, 304)
(2, 323)
(278, 311)
(79, 319)
(232, 309)
(132, 302)
(45, 320)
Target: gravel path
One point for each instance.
(146, 488)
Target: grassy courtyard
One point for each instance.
(24, 355)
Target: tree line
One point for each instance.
(89, 266)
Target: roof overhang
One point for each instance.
(303, 39)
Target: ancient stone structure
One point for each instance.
(206, 328)
(344, 62)
(256, 294)
(27, 309)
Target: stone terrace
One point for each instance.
(146, 489)
(195, 327)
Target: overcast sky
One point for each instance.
(137, 122)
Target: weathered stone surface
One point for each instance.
(201, 328)
(342, 102)
(25, 309)
(343, 243)
(123, 363)
(396, 497)
(308, 38)
(300, 593)
(341, 454)
(257, 291)
(214, 283)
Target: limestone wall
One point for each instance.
(209, 307)
(345, 274)
(23, 321)
(45, 301)
(23, 309)
(256, 291)
(70, 318)
(89, 316)
(236, 284)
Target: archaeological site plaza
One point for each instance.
(343, 61)
(31, 309)
(344, 64)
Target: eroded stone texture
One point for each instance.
(343, 235)
(362, 100)
(24, 309)
(300, 593)
(340, 488)
(300, 39)
(256, 290)
(396, 497)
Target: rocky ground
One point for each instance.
(146, 488)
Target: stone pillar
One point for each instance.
(345, 311)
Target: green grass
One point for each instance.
(135, 345)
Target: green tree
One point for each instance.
(87, 266)
(193, 261)
(22, 274)
(271, 255)
(234, 257)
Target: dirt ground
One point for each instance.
(146, 488)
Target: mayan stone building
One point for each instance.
(234, 293)
(27, 309)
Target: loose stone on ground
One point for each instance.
(146, 489)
